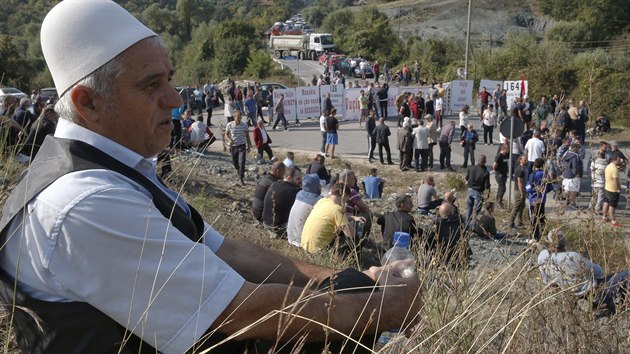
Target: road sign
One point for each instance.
(519, 127)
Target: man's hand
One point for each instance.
(401, 294)
(359, 219)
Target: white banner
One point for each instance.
(351, 105)
(513, 89)
(336, 96)
(307, 100)
(490, 86)
(461, 94)
(289, 102)
(392, 93)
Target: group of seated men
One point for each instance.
(291, 204)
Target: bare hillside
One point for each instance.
(491, 19)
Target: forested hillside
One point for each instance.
(583, 55)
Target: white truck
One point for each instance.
(304, 46)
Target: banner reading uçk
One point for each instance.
(307, 101)
(351, 104)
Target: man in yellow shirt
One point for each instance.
(612, 189)
(327, 219)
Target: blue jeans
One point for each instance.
(473, 203)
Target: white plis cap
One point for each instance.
(80, 36)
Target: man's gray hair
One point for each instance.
(102, 81)
(25, 102)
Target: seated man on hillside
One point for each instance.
(398, 220)
(200, 135)
(275, 174)
(449, 198)
(446, 242)
(279, 199)
(317, 166)
(571, 270)
(486, 223)
(328, 221)
(43, 126)
(373, 185)
(427, 196)
(355, 206)
(290, 160)
(304, 202)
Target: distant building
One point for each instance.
(266, 2)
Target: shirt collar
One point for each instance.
(69, 130)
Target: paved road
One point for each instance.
(304, 69)
(353, 140)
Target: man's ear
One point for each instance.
(83, 99)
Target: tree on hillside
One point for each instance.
(14, 68)
(338, 23)
(372, 36)
(232, 43)
(185, 10)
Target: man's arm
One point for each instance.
(520, 182)
(353, 313)
(257, 264)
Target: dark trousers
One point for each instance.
(405, 159)
(199, 107)
(380, 151)
(239, 155)
(537, 219)
(469, 151)
(176, 134)
(280, 117)
(487, 131)
(383, 109)
(371, 147)
(420, 157)
(445, 154)
(501, 181)
(323, 148)
(265, 148)
(259, 112)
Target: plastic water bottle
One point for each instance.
(392, 341)
(400, 252)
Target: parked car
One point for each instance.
(264, 88)
(47, 93)
(11, 91)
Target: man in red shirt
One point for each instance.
(484, 96)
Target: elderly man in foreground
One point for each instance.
(111, 260)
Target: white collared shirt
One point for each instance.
(95, 236)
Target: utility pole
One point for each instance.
(467, 41)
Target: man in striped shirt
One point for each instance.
(237, 136)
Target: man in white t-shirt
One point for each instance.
(322, 128)
(535, 149)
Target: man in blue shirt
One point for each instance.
(373, 185)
